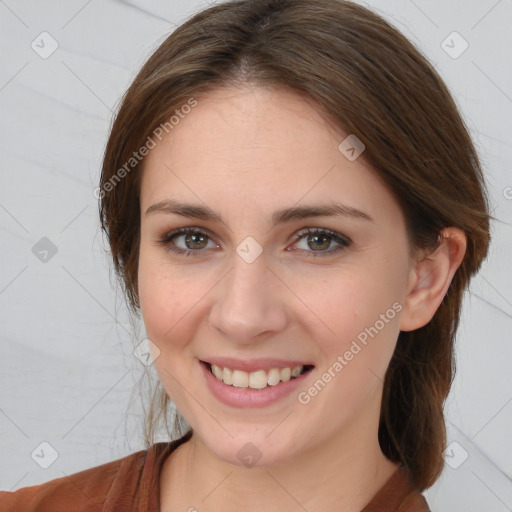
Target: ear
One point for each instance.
(430, 277)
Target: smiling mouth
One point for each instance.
(259, 379)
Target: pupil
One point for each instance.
(193, 237)
(316, 237)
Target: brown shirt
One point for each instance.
(131, 484)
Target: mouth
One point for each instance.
(256, 380)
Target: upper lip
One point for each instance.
(252, 365)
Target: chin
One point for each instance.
(253, 450)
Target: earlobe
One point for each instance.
(430, 278)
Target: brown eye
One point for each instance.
(196, 241)
(318, 240)
(321, 241)
(193, 240)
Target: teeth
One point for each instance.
(274, 377)
(217, 371)
(255, 380)
(296, 371)
(258, 380)
(227, 376)
(240, 379)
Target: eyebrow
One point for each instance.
(171, 206)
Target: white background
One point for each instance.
(67, 368)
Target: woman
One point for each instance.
(295, 207)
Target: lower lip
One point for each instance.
(247, 397)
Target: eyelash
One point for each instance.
(342, 240)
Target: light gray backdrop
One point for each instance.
(67, 367)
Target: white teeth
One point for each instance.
(255, 380)
(240, 379)
(286, 374)
(227, 376)
(258, 380)
(217, 371)
(274, 377)
(296, 371)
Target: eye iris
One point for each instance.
(192, 237)
(316, 237)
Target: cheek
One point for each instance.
(345, 303)
(167, 298)
(356, 357)
(356, 322)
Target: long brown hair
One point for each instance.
(368, 79)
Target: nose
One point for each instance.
(250, 302)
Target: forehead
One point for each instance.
(249, 145)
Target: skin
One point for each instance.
(246, 152)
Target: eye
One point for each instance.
(195, 241)
(193, 238)
(321, 238)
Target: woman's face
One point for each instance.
(257, 291)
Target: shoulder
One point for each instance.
(86, 490)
